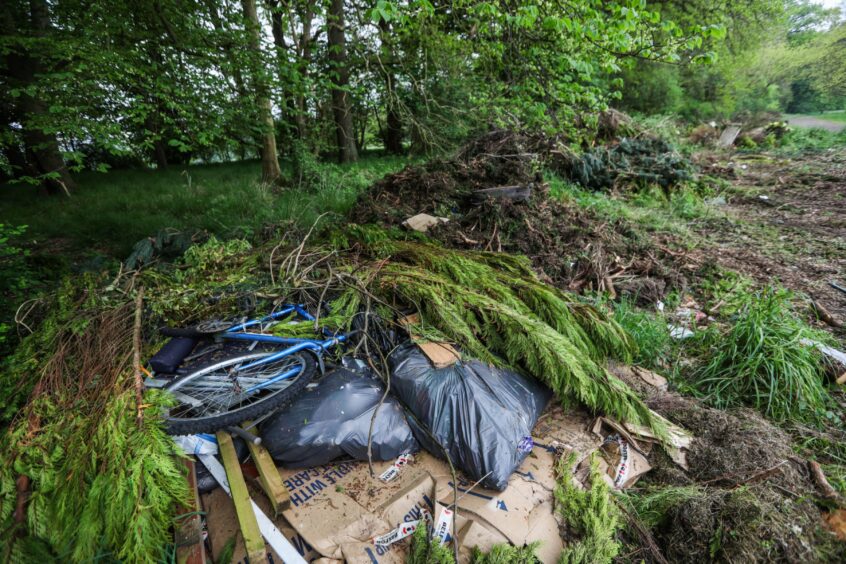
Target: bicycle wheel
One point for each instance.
(225, 394)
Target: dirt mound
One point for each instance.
(747, 496)
(568, 245)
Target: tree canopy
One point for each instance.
(97, 84)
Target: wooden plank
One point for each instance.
(189, 534)
(269, 478)
(440, 355)
(728, 136)
(241, 498)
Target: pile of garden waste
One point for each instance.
(88, 471)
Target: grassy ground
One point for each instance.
(839, 115)
(111, 211)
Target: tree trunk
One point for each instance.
(43, 147)
(393, 127)
(345, 136)
(270, 171)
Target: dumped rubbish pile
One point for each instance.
(372, 393)
(567, 244)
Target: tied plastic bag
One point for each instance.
(482, 415)
(332, 419)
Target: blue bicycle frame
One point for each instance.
(317, 346)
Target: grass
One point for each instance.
(799, 140)
(761, 361)
(649, 332)
(111, 211)
(649, 208)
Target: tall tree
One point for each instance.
(21, 67)
(341, 107)
(393, 121)
(270, 171)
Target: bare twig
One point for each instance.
(136, 358)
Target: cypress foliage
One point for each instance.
(496, 309)
(591, 514)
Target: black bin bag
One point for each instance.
(482, 415)
(332, 420)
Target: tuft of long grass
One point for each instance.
(650, 333)
(763, 360)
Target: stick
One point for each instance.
(136, 358)
(645, 535)
(822, 482)
(824, 315)
(837, 286)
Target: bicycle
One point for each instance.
(245, 387)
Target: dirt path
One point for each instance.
(786, 222)
(814, 121)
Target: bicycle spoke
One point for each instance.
(226, 388)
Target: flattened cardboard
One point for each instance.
(566, 431)
(440, 355)
(622, 461)
(475, 535)
(337, 509)
(680, 439)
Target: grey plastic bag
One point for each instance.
(483, 416)
(332, 419)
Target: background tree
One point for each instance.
(270, 171)
(338, 65)
(28, 30)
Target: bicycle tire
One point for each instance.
(215, 422)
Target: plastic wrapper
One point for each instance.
(482, 415)
(332, 419)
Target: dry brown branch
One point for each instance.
(136, 358)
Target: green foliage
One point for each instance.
(650, 208)
(16, 277)
(494, 307)
(592, 515)
(761, 360)
(424, 551)
(100, 487)
(653, 505)
(213, 252)
(799, 140)
(223, 199)
(506, 554)
(650, 333)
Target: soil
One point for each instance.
(785, 221)
(757, 500)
